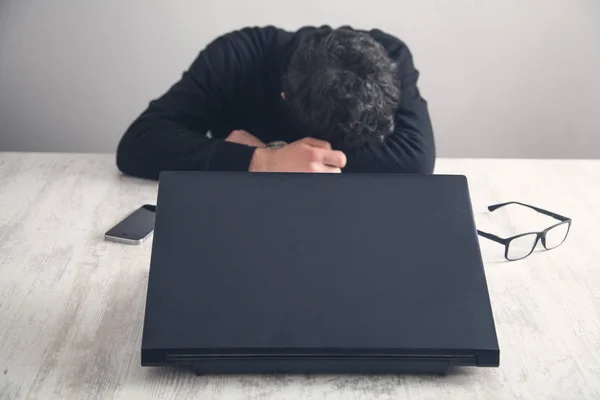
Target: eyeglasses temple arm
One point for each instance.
(491, 237)
(540, 210)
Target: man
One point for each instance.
(264, 99)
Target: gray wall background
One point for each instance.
(510, 78)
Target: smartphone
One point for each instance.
(136, 227)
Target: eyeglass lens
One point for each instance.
(556, 235)
(521, 246)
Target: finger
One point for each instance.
(319, 167)
(331, 170)
(317, 143)
(334, 158)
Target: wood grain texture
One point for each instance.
(71, 304)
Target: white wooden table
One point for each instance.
(71, 304)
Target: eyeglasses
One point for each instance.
(520, 246)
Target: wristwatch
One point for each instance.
(277, 144)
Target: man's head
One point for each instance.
(341, 86)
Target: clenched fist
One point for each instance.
(305, 155)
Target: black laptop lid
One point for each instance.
(316, 263)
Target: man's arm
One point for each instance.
(171, 133)
(411, 147)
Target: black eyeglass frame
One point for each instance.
(539, 235)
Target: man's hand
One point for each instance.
(305, 155)
(243, 137)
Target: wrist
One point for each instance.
(260, 160)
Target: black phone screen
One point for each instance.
(137, 225)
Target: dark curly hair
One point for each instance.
(341, 86)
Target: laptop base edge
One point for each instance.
(227, 367)
(312, 365)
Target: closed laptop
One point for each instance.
(316, 273)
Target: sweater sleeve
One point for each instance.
(171, 133)
(411, 147)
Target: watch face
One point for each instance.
(276, 145)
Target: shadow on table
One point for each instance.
(169, 380)
(168, 372)
(495, 261)
(179, 373)
(491, 255)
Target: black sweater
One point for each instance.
(236, 83)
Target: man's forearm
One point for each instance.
(152, 145)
